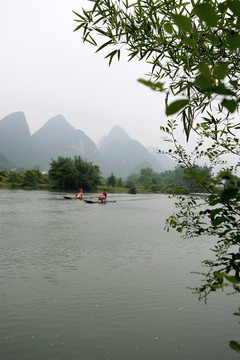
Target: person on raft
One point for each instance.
(101, 198)
(79, 194)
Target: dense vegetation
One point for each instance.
(26, 179)
(71, 174)
(175, 181)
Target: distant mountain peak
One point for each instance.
(118, 133)
(55, 124)
(58, 120)
(15, 122)
(15, 117)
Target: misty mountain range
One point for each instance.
(116, 153)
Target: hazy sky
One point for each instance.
(46, 70)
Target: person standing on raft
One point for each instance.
(105, 194)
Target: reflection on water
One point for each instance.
(90, 281)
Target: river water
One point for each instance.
(85, 281)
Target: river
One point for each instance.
(85, 281)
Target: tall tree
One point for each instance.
(63, 173)
(88, 174)
(112, 180)
(67, 173)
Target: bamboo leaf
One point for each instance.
(176, 106)
(81, 17)
(78, 27)
(111, 56)
(104, 45)
(154, 86)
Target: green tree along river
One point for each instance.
(91, 281)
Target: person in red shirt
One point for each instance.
(105, 194)
(79, 194)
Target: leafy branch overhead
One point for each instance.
(192, 47)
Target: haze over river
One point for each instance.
(85, 281)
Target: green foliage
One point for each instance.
(67, 173)
(31, 178)
(193, 46)
(120, 182)
(63, 174)
(3, 175)
(176, 181)
(13, 178)
(111, 180)
(88, 176)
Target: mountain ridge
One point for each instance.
(116, 153)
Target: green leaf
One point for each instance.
(233, 40)
(154, 86)
(111, 56)
(234, 83)
(218, 275)
(207, 13)
(175, 106)
(213, 200)
(222, 7)
(230, 105)
(234, 6)
(228, 194)
(221, 90)
(104, 45)
(235, 346)
(212, 38)
(190, 42)
(80, 16)
(232, 279)
(169, 28)
(183, 22)
(219, 221)
(204, 69)
(215, 212)
(220, 70)
(203, 82)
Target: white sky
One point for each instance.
(46, 70)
